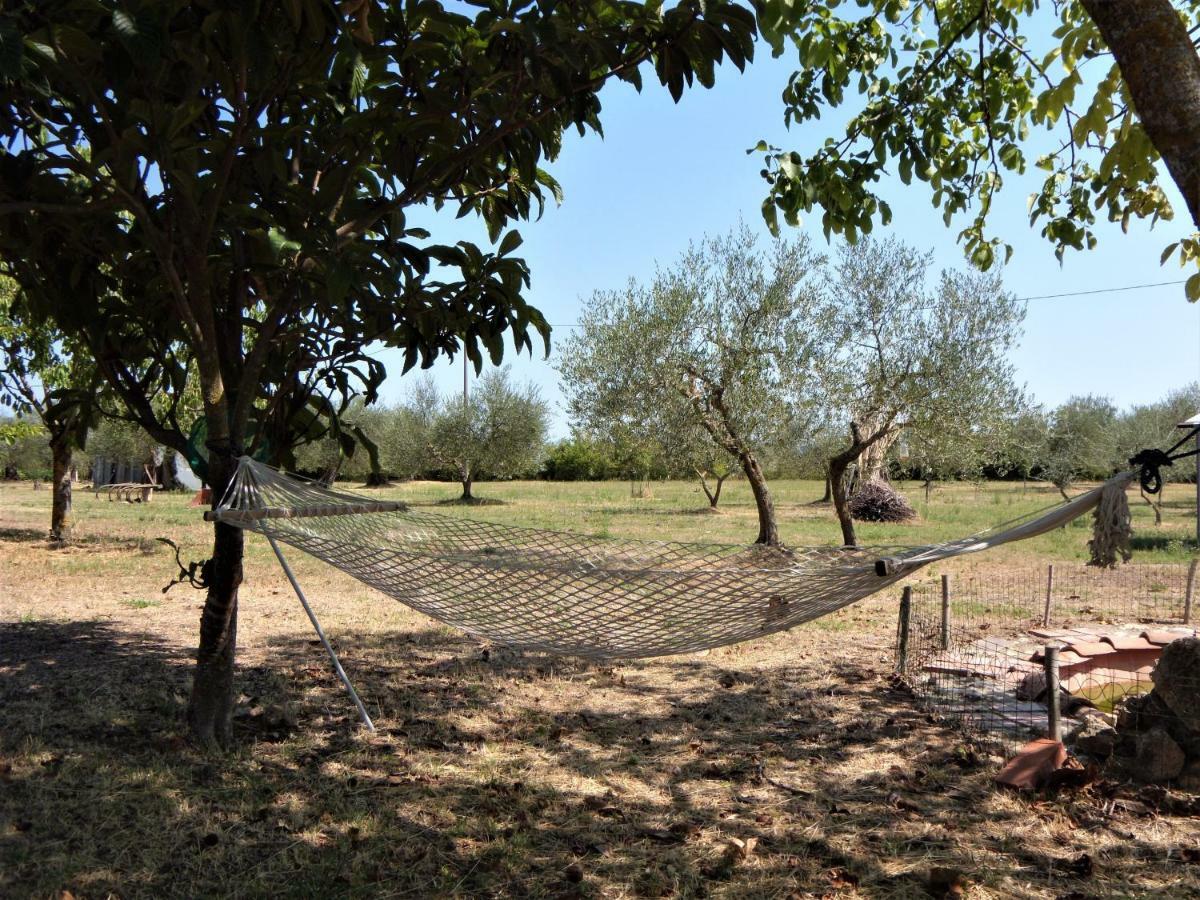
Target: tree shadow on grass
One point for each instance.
(505, 775)
(79, 540)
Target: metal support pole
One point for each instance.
(1053, 707)
(337, 665)
(1049, 595)
(905, 616)
(945, 612)
(1187, 597)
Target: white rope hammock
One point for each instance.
(582, 595)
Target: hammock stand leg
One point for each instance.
(337, 665)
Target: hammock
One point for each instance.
(582, 595)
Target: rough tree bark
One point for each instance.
(827, 497)
(60, 505)
(768, 530)
(210, 711)
(1159, 64)
(467, 479)
(721, 429)
(840, 462)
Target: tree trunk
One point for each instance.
(1154, 505)
(714, 493)
(467, 481)
(841, 503)
(1159, 64)
(768, 530)
(828, 496)
(210, 712)
(60, 505)
(167, 476)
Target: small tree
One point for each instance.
(1081, 442)
(405, 430)
(47, 377)
(730, 330)
(24, 449)
(910, 357)
(499, 431)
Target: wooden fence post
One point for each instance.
(1187, 597)
(1053, 708)
(1049, 595)
(905, 618)
(945, 612)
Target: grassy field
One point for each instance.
(785, 767)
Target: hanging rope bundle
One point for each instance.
(1112, 528)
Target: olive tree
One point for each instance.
(1081, 442)
(498, 431)
(230, 184)
(908, 355)
(730, 331)
(404, 430)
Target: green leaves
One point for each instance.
(953, 101)
(230, 181)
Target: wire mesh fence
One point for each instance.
(1061, 650)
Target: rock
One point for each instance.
(1159, 758)
(1093, 737)
(1177, 680)
(1142, 712)
(1032, 686)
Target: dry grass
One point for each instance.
(499, 774)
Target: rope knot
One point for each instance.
(1149, 462)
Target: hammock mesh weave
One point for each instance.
(576, 594)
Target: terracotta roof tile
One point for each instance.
(1129, 642)
(1092, 648)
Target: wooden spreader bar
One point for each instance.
(233, 516)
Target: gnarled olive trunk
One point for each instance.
(768, 530)
(60, 505)
(841, 502)
(210, 711)
(467, 479)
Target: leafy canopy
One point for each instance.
(959, 95)
(230, 182)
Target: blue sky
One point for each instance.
(665, 174)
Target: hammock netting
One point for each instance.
(583, 595)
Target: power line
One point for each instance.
(1112, 290)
